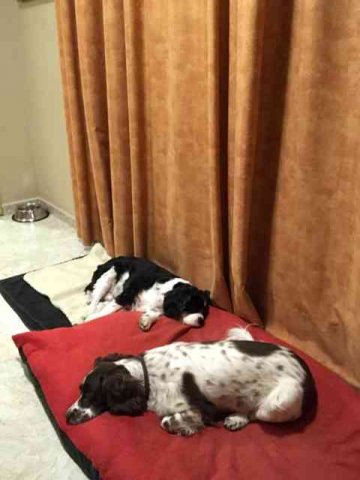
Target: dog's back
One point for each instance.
(140, 267)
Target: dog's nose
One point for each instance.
(201, 321)
(194, 319)
(73, 416)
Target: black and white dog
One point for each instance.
(190, 385)
(132, 283)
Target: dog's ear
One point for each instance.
(131, 407)
(124, 394)
(173, 302)
(171, 309)
(111, 357)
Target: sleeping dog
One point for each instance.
(133, 283)
(191, 385)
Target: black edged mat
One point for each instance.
(34, 309)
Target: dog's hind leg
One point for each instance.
(105, 309)
(103, 285)
(184, 423)
(283, 403)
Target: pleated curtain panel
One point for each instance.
(221, 139)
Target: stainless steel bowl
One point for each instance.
(30, 212)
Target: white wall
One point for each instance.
(17, 176)
(33, 146)
(46, 121)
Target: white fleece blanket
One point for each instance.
(64, 283)
(29, 446)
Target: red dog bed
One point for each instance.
(124, 448)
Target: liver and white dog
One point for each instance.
(190, 385)
(132, 283)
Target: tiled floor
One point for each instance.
(26, 247)
(29, 246)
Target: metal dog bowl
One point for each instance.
(30, 212)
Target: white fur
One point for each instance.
(283, 403)
(132, 365)
(239, 333)
(119, 287)
(87, 413)
(102, 287)
(193, 319)
(104, 308)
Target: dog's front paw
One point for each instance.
(235, 422)
(145, 323)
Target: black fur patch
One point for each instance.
(186, 299)
(255, 349)
(210, 414)
(124, 394)
(111, 387)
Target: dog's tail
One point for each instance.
(240, 333)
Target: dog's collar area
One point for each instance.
(146, 380)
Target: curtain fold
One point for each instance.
(220, 138)
(245, 49)
(146, 78)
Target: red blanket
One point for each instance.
(124, 448)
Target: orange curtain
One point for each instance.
(220, 138)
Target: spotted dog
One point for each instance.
(191, 385)
(132, 283)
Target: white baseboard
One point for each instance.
(59, 212)
(9, 209)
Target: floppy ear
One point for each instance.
(111, 357)
(124, 394)
(172, 303)
(132, 407)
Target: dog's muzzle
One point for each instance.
(76, 414)
(194, 319)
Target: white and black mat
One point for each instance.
(34, 309)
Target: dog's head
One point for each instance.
(188, 304)
(108, 387)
